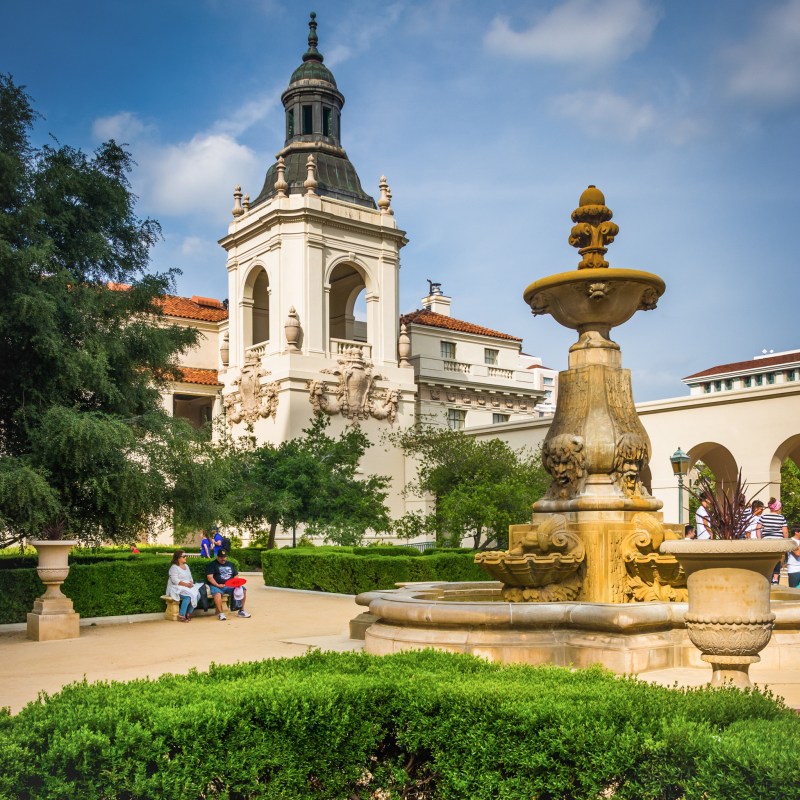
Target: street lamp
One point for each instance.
(680, 466)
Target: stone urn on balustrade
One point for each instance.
(53, 616)
(729, 618)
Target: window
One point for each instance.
(290, 123)
(706, 387)
(326, 121)
(759, 380)
(547, 381)
(490, 356)
(456, 419)
(448, 350)
(791, 375)
(729, 383)
(748, 381)
(498, 419)
(770, 378)
(717, 386)
(308, 126)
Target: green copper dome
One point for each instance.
(313, 106)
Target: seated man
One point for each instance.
(218, 572)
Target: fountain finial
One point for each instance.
(593, 229)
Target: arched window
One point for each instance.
(255, 311)
(347, 312)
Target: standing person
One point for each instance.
(218, 572)
(206, 546)
(772, 525)
(181, 586)
(219, 544)
(689, 532)
(702, 522)
(756, 510)
(793, 559)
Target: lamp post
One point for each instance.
(680, 466)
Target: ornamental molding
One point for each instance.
(355, 395)
(250, 399)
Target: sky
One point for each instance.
(488, 119)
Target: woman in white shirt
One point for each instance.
(181, 586)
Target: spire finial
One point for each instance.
(280, 184)
(385, 200)
(312, 54)
(311, 180)
(237, 202)
(593, 229)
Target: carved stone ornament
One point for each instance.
(651, 575)
(251, 400)
(564, 458)
(544, 566)
(593, 229)
(292, 331)
(355, 396)
(631, 455)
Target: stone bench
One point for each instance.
(173, 606)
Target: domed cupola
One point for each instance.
(313, 106)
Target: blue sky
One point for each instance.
(488, 119)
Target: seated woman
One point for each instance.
(182, 587)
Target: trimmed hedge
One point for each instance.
(413, 725)
(348, 573)
(102, 589)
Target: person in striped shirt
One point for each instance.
(772, 525)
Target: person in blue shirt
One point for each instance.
(217, 542)
(205, 546)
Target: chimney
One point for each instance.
(436, 300)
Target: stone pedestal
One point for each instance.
(53, 616)
(51, 620)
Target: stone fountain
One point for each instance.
(585, 582)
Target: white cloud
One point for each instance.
(193, 245)
(122, 127)
(588, 32)
(606, 115)
(248, 114)
(764, 68)
(194, 176)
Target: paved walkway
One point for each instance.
(284, 623)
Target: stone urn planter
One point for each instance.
(53, 616)
(729, 618)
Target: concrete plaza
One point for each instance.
(284, 623)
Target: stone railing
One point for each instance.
(457, 366)
(498, 372)
(256, 352)
(338, 346)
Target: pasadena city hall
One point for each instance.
(312, 325)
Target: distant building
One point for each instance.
(768, 369)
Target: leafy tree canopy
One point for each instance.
(311, 480)
(84, 347)
(480, 487)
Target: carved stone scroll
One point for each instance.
(651, 574)
(251, 400)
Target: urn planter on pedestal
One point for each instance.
(53, 616)
(729, 618)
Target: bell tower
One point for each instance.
(313, 272)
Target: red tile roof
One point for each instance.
(434, 320)
(744, 366)
(206, 377)
(202, 308)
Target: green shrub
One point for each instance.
(413, 725)
(385, 550)
(101, 589)
(350, 573)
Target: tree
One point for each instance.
(479, 487)
(790, 492)
(311, 480)
(84, 347)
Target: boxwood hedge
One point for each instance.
(104, 588)
(414, 725)
(344, 572)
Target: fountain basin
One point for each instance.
(595, 299)
(627, 638)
